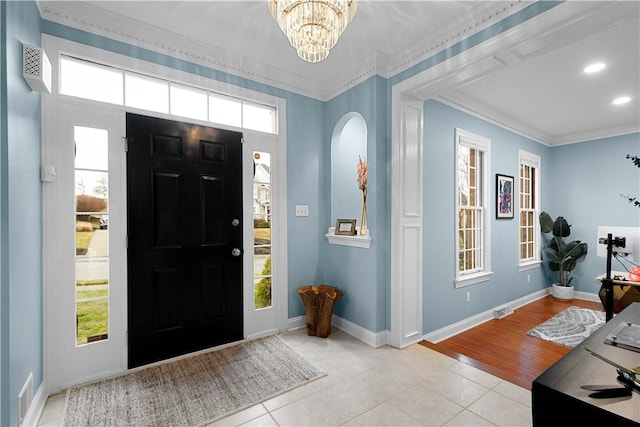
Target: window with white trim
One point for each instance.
(473, 249)
(528, 210)
(104, 83)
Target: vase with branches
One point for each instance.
(361, 171)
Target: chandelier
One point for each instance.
(313, 26)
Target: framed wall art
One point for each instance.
(346, 227)
(504, 196)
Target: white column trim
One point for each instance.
(406, 220)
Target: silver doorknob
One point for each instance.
(235, 222)
(236, 252)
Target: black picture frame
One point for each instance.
(504, 196)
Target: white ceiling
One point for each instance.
(539, 88)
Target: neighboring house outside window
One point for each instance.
(529, 184)
(262, 192)
(473, 245)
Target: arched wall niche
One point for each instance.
(348, 144)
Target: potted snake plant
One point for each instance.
(562, 256)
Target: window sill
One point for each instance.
(353, 241)
(529, 265)
(472, 279)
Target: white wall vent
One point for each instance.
(36, 68)
(24, 399)
(501, 312)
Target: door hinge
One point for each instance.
(126, 241)
(242, 141)
(126, 143)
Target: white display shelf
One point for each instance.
(363, 241)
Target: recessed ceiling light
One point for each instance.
(594, 68)
(621, 100)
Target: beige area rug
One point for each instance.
(569, 327)
(194, 390)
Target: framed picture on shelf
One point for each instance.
(346, 227)
(504, 196)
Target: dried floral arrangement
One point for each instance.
(361, 170)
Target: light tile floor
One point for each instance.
(367, 386)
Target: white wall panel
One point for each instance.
(406, 220)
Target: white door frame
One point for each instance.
(255, 320)
(65, 363)
(51, 194)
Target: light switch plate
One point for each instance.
(302, 210)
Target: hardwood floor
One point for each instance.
(502, 346)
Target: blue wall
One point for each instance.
(443, 303)
(306, 185)
(362, 273)
(584, 182)
(21, 212)
(348, 145)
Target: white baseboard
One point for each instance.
(374, 339)
(587, 296)
(296, 323)
(378, 339)
(480, 318)
(37, 407)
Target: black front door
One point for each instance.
(184, 219)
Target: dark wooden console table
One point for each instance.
(558, 392)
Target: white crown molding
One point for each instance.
(389, 65)
(86, 17)
(361, 72)
(596, 134)
(478, 109)
(482, 17)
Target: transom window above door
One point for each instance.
(104, 83)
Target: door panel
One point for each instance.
(184, 281)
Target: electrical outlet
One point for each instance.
(468, 296)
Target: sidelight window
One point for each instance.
(92, 234)
(262, 230)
